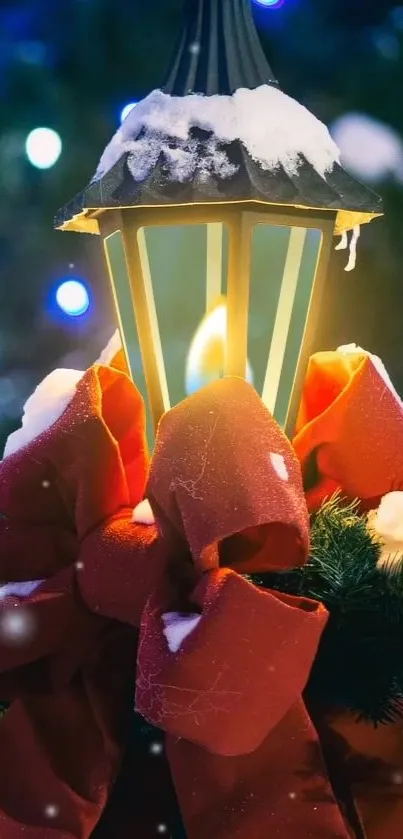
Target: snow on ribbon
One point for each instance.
(44, 407)
(20, 590)
(353, 349)
(51, 398)
(386, 523)
(177, 627)
(143, 514)
(111, 350)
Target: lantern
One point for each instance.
(219, 197)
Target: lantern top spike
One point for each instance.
(219, 51)
(221, 132)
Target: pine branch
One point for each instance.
(359, 665)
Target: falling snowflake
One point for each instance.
(162, 828)
(79, 566)
(52, 811)
(17, 625)
(46, 484)
(156, 748)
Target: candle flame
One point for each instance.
(206, 358)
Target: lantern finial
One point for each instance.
(219, 51)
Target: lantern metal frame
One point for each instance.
(240, 219)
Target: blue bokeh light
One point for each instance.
(127, 110)
(269, 4)
(72, 297)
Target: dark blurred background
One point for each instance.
(72, 66)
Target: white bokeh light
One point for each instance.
(17, 626)
(370, 149)
(72, 298)
(52, 811)
(43, 147)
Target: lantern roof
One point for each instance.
(221, 131)
(219, 51)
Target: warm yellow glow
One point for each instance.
(283, 318)
(206, 358)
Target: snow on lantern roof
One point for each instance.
(221, 131)
(274, 129)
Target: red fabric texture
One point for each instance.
(222, 672)
(349, 433)
(366, 765)
(281, 789)
(351, 426)
(66, 501)
(226, 489)
(240, 741)
(216, 472)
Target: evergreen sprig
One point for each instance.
(359, 666)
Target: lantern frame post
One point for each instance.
(215, 236)
(311, 323)
(238, 288)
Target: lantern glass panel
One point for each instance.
(283, 269)
(121, 288)
(186, 264)
(182, 269)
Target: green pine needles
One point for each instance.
(359, 666)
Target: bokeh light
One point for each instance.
(127, 110)
(17, 626)
(52, 811)
(269, 4)
(72, 298)
(43, 147)
(370, 149)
